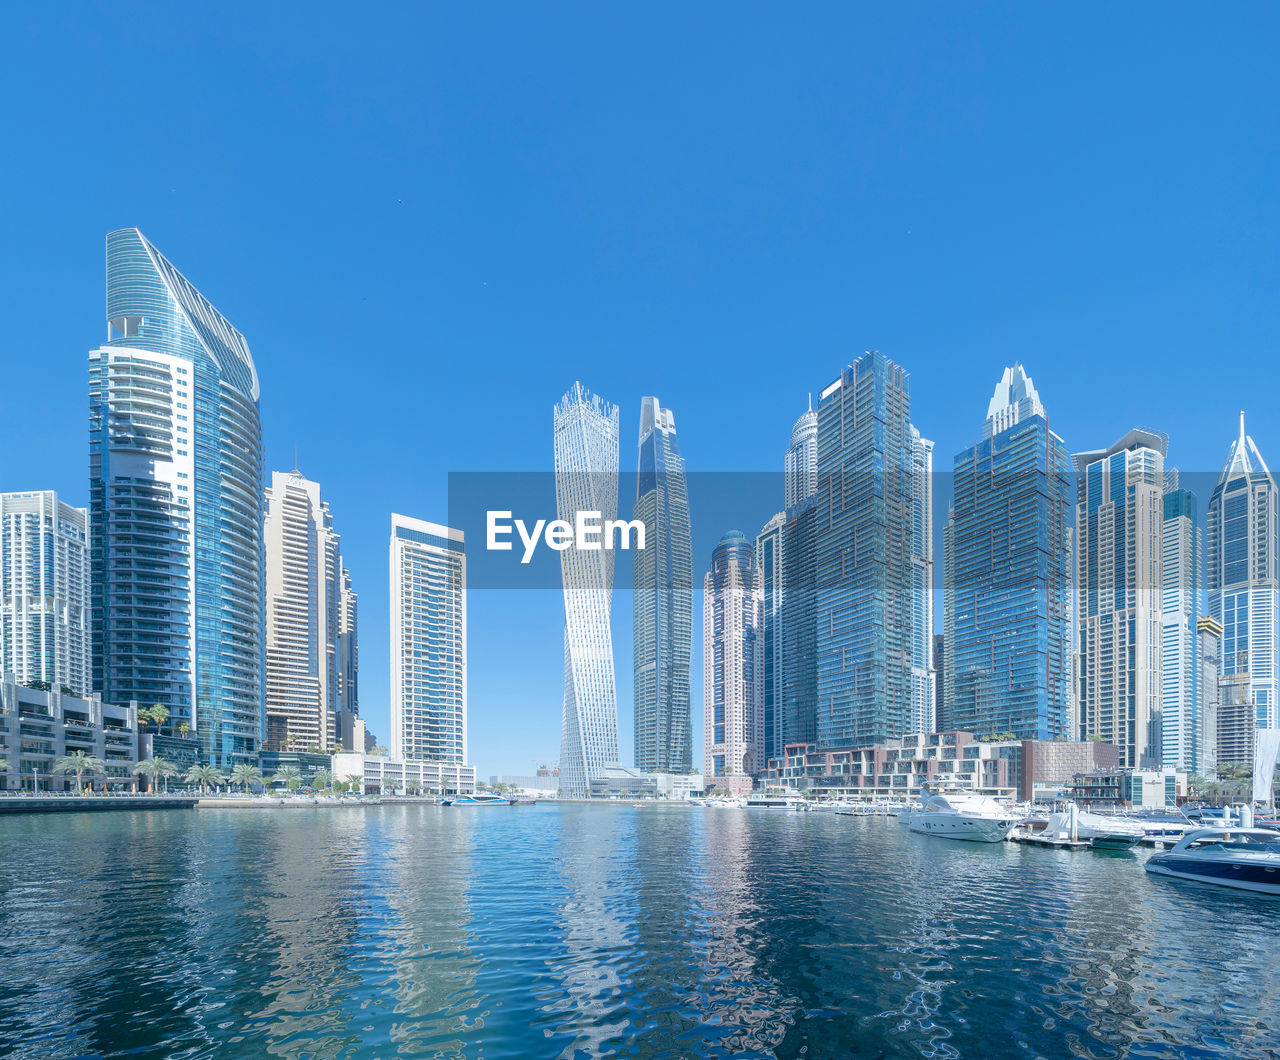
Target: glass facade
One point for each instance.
(663, 600)
(1007, 552)
(176, 488)
(1243, 545)
(586, 465)
(769, 561)
(1182, 717)
(864, 556)
(428, 642)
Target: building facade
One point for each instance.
(769, 563)
(37, 728)
(800, 465)
(1243, 563)
(1182, 561)
(586, 469)
(1008, 576)
(1209, 651)
(663, 599)
(733, 663)
(1119, 528)
(390, 775)
(44, 591)
(923, 675)
(865, 567)
(428, 642)
(175, 506)
(309, 606)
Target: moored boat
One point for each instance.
(1247, 859)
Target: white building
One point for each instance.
(44, 591)
(309, 608)
(1181, 712)
(800, 465)
(623, 782)
(391, 775)
(733, 663)
(1119, 526)
(586, 466)
(428, 642)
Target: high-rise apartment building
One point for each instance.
(800, 466)
(1007, 550)
(175, 506)
(44, 591)
(663, 599)
(1182, 559)
(348, 662)
(1119, 528)
(1209, 651)
(769, 562)
(923, 676)
(864, 549)
(733, 661)
(586, 468)
(309, 607)
(1243, 564)
(428, 642)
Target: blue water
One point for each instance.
(607, 930)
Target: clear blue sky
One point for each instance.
(428, 220)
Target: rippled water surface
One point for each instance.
(562, 931)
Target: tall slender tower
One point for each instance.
(769, 561)
(1243, 566)
(864, 554)
(1182, 556)
(175, 504)
(1119, 524)
(663, 599)
(586, 465)
(428, 641)
(1008, 576)
(307, 608)
(800, 466)
(44, 591)
(732, 661)
(923, 676)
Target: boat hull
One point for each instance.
(962, 826)
(1262, 879)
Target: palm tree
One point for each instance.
(322, 778)
(79, 763)
(159, 714)
(246, 775)
(204, 776)
(183, 729)
(289, 776)
(146, 768)
(355, 780)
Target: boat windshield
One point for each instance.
(1240, 841)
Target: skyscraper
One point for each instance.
(1119, 523)
(663, 599)
(864, 554)
(923, 676)
(769, 562)
(348, 663)
(175, 506)
(1008, 576)
(586, 466)
(1209, 650)
(309, 603)
(1181, 714)
(428, 641)
(800, 466)
(1243, 548)
(44, 591)
(732, 661)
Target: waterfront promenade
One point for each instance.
(70, 803)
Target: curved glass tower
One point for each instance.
(663, 631)
(176, 503)
(586, 460)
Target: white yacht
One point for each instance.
(960, 814)
(783, 798)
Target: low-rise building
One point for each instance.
(624, 782)
(1129, 788)
(305, 762)
(384, 775)
(540, 785)
(37, 728)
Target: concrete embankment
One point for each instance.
(93, 803)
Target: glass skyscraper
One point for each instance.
(922, 672)
(176, 503)
(1182, 716)
(732, 661)
(586, 466)
(769, 561)
(428, 641)
(663, 599)
(864, 552)
(1119, 527)
(800, 465)
(1243, 551)
(1008, 573)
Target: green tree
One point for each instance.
(322, 779)
(156, 769)
(79, 763)
(354, 782)
(341, 787)
(183, 729)
(66, 691)
(159, 714)
(246, 775)
(289, 776)
(204, 776)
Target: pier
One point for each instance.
(93, 803)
